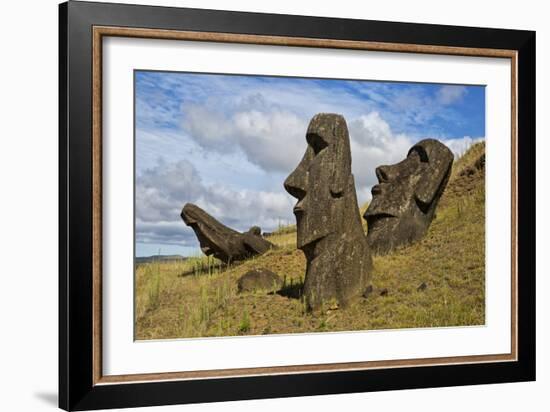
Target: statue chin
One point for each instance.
(306, 237)
(387, 232)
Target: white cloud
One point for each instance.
(208, 127)
(272, 140)
(449, 94)
(459, 146)
(373, 144)
(260, 135)
(371, 130)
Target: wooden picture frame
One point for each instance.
(82, 385)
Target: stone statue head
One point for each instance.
(222, 242)
(404, 201)
(321, 178)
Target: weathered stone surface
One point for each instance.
(224, 243)
(404, 201)
(259, 280)
(329, 228)
(255, 230)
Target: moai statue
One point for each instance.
(329, 230)
(404, 201)
(224, 243)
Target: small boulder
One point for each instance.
(368, 291)
(259, 279)
(422, 287)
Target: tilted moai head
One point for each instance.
(327, 217)
(404, 201)
(222, 242)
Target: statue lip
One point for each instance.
(188, 219)
(376, 189)
(189, 214)
(192, 220)
(297, 209)
(378, 215)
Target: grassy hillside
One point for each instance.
(439, 281)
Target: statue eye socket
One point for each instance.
(418, 150)
(316, 142)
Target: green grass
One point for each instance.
(198, 296)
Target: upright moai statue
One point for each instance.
(329, 230)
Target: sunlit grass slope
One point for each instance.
(439, 281)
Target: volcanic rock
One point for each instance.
(259, 279)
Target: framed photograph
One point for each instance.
(256, 205)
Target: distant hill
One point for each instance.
(159, 258)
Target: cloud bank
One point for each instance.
(162, 191)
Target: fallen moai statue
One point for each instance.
(222, 242)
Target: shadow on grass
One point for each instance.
(292, 290)
(204, 271)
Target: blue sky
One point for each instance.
(227, 142)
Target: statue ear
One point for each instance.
(342, 161)
(339, 182)
(432, 179)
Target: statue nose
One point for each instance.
(295, 185)
(383, 173)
